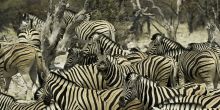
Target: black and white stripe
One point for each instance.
(77, 56)
(23, 59)
(105, 45)
(205, 46)
(193, 66)
(158, 68)
(149, 93)
(70, 97)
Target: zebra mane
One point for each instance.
(116, 43)
(8, 96)
(134, 49)
(69, 10)
(129, 75)
(155, 35)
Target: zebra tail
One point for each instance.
(43, 71)
(113, 34)
(217, 71)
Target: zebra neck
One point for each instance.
(150, 94)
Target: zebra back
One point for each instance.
(136, 56)
(179, 106)
(86, 76)
(209, 102)
(88, 29)
(111, 97)
(205, 46)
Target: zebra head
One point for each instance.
(26, 22)
(77, 56)
(155, 44)
(72, 58)
(129, 89)
(103, 64)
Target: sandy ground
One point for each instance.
(17, 87)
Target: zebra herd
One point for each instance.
(104, 76)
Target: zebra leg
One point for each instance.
(2, 80)
(29, 83)
(7, 83)
(181, 77)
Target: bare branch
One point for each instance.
(138, 4)
(134, 4)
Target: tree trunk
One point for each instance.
(190, 22)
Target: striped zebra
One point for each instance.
(78, 56)
(136, 56)
(8, 102)
(205, 46)
(29, 21)
(105, 45)
(30, 36)
(86, 76)
(199, 67)
(111, 96)
(71, 97)
(191, 64)
(203, 100)
(158, 68)
(179, 106)
(23, 59)
(160, 44)
(149, 93)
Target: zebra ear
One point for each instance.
(157, 36)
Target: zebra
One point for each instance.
(190, 63)
(86, 76)
(25, 60)
(8, 102)
(111, 96)
(78, 56)
(30, 36)
(136, 56)
(205, 46)
(160, 44)
(179, 106)
(203, 100)
(148, 92)
(105, 45)
(61, 90)
(158, 68)
(29, 21)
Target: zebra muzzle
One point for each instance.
(122, 102)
